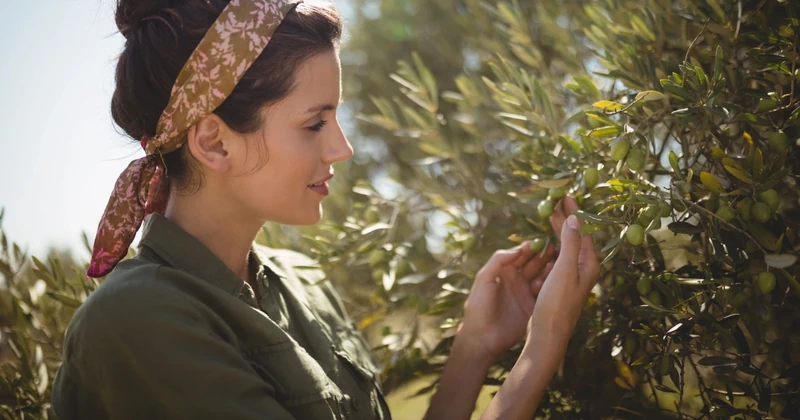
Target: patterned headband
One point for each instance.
(228, 49)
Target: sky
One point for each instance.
(60, 152)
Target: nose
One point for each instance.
(337, 148)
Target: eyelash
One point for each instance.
(318, 126)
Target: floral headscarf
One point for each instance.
(228, 49)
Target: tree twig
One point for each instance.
(686, 57)
(691, 205)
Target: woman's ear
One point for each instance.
(206, 144)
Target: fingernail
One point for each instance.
(572, 222)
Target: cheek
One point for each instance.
(295, 165)
(278, 191)
(290, 168)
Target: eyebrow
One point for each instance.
(318, 108)
(321, 107)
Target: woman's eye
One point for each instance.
(318, 126)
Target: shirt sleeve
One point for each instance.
(148, 353)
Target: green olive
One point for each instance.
(643, 221)
(739, 299)
(377, 256)
(404, 268)
(651, 212)
(635, 235)
(556, 193)
(770, 197)
(766, 104)
(537, 245)
(656, 224)
(643, 285)
(648, 215)
(761, 212)
(591, 177)
(619, 149)
(666, 209)
(765, 282)
(545, 208)
(744, 208)
(655, 298)
(636, 159)
(469, 243)
(373, 216)
(726, 213)
(778, 141)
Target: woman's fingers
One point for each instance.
(538, 282)
(534, 266)
(498, 260)
(524, 254)
(557, 218)
(564, 209)
(569, 205)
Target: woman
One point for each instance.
(235, 105)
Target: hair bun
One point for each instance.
(130, 13)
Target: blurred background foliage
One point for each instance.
(674, 123)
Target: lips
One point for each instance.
(321, 187)
(322, 181)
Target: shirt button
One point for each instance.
(347, 403)
(355, 403)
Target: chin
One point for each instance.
(302, 216)
(308, 218)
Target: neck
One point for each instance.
(226, 233)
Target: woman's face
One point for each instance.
(302, 140)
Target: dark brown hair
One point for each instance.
(160, 37)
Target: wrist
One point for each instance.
(470, 350)
(547, 348)
(548, 332)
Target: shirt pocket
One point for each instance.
(352, 350)
(300, 383)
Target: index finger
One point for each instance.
(496, 262)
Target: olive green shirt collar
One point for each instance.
(185, 252)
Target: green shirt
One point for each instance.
(173, 333)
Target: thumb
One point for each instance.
(570, 243)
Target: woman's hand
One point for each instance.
(564, 293)
(559, 304)
(495, 315)
(502, 298)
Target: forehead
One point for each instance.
(317, 80)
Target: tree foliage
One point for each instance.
(37, 300)
(675, 124)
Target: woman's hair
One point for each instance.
(162, 34)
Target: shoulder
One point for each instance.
(132, 304)
(135, 285)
